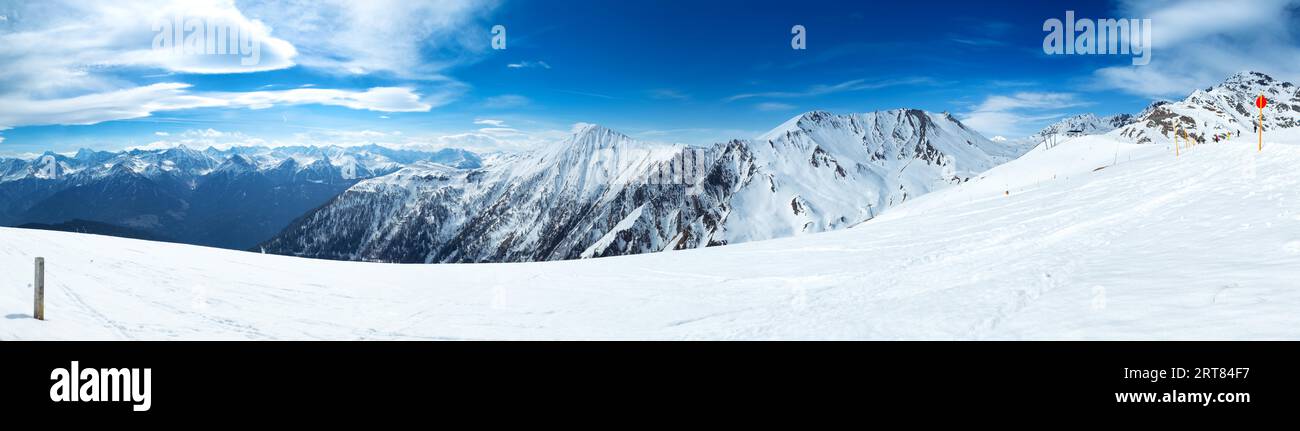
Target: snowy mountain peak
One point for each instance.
(814, 117)
(586, 141)
(236, 164)
(585, 134)
(289, 164)
(182, 151)
(807, 121)
(1248, 78)
(1222, 109)
(91, 156)
(49, 166)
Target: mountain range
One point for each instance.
(601, 193)
(595, 193)
(231, 198)
(1081, 124)
(1228, 107)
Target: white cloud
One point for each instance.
(846, 86)
(155, 145)
(529, 65)
(773, 106)
(67, 46)
(208, 133)
(1198, 43)
(78, 62)
(667, 94)
(410, 39)
(161, 134)
(589, 94)
(141, 102)
(500, 131)
(384, 99)
(1019, 114)
(1029, 100)
(505, 101)
(490, 122)
(483, 140)
(204, 138)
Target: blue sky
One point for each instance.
(423, 74)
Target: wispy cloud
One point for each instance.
(143, 101)
(203, 138)
(981, 33)
(496, 128)
(589, 94)
(1190, 51)
(529, 65)
(841, 51)
(490, 122)
(74, 50)
(773, 106)
(506, 101)
(976, 41)
(416, 40)
(65, 61)
(667, 94)
(847, 86)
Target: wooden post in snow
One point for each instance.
(39, 313)
(1176, 149)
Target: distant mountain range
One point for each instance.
(1223, 108)
(596, 193)
(232, 198)
(1082, 124)
(1228, 107)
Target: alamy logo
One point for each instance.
(101, 384)
(1103, 36)
(498, 37)
(631, 166)
(200, 36)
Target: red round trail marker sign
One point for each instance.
(1261, 102)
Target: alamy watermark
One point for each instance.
(1102, 36)
(207, 36)
(634, 165)
(498, 37)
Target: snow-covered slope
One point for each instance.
(1096, 239)
(1225, 108)
(600, 193)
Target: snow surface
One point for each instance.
(1091, 239)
